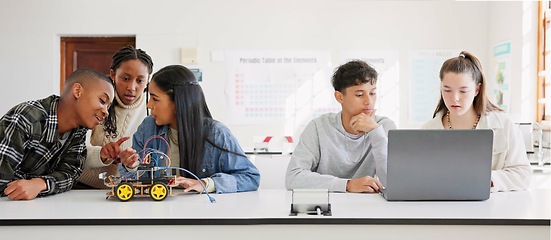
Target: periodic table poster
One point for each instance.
(274, 86)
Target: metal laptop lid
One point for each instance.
(439, 164)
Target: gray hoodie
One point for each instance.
(327, 156)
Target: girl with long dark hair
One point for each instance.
(198, 143)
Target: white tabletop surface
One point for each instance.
(267, 206)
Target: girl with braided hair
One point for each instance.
(131, 69)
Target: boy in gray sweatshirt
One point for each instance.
(342, 152)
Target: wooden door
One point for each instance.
(91, 52)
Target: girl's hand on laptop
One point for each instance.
(363, 123)
(364, 184)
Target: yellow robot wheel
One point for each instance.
(158, 191)
(124, 191)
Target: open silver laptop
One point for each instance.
(438, 164)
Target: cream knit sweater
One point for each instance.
(129, 118)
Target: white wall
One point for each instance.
(30, 32)
(516, 22)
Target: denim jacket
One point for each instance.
(230, 172)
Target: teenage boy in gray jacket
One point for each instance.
(342, 152)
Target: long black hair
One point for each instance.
(180, 85)
(122, 55)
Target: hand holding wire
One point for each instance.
(154, 159)
(111, 150)
(129, 158)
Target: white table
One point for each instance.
(265, 215)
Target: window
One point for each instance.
(543, 111)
